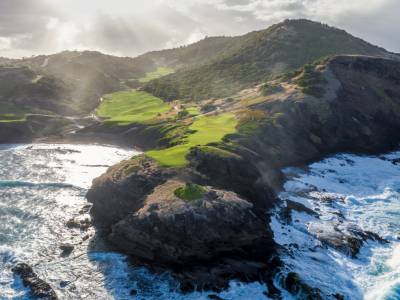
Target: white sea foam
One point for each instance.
(345, 190)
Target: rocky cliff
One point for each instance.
(356, 109)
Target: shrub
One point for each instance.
(182, 114)
(311, 81)
(269, 89)
(190, 192)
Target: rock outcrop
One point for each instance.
(33, 128)
(125, 187)
(211, 239)
(39, 288)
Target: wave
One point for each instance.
(41, 185)
(332, 199)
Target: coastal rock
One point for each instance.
(39, 288)
(298, 288)
(81, 222)
(346, 237)
(219, 227)
(67, 248)
(123, 189)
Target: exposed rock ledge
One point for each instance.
(211, 239)
(39, 288)
(360, 112)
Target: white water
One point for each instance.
(367, 193)
(41, 188)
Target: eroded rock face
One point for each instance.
(175, 231)
(123, 189)
(219, 227)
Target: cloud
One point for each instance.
(131, 27)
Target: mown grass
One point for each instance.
(123, 108)
(8, 118)
(190, 192)
(193, 110)
(205, 130)
(160, 72)
(11, 113)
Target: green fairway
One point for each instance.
(11, 113)
(160, 72)
(207, 130)
(5, 118)
(125, 108)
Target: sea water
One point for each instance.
(43, 186)
(366, 190)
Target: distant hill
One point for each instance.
(22, 90)
(87, 75)
(211, 68)
(257, 56)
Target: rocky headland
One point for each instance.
(343, 104)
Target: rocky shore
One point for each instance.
(225, 233)
(39, 288)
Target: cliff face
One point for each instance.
(34, 127)
(358, 111)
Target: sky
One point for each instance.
(133, 27)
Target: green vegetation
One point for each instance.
(11, 113)
(250, 120)
(160, 72)
(5, 118)
(190, 192)
(269, 89)
(258, 56)
(193, 110)
(182, 114)
(123, 108)
(193, 54)
(203, 131)
(216, 151)
(311, 82)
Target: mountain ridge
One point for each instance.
(261, 55)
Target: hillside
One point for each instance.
(258, 56)
(22, 90)
(194, 54)
(87, 75)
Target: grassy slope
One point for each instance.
(193, 54)
(125, 108)
(86, 75)
(207, 130)
(160, 72)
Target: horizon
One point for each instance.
(129, 29)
